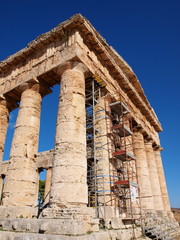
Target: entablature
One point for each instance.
(74, 39)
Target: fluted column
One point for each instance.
(69, 176)
(4, 119)
(22, 178)
(154, 180)
(142, 172)
(162, 180)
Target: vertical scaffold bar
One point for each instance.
(94, 151)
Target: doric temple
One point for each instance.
(104, 177)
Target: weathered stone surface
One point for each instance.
(154, 179)
(21, 187)
(73, 54)
(69, 164)
(125, 234)
(4, 116)
(162, 181)
(143, 172)
(176, 212)
(44, 159)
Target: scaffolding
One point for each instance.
(126, 188)
(109, 137)
(95, 147)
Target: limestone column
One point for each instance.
(104, 169)
(130, 168)
(22, 178)
(153, 174)
(131, 165)
(69, 176)
(147, 204)
(162, 181)
(4, 119)
(48, 185)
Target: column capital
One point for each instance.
(148, 140)
(8, 102)
(72, 65)
(36, 85)
(139, 129)
(158, 148)
(2, 100)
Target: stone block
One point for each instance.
(116, 223)
(7, 225)
(17, 212)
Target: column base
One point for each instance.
(18, 212)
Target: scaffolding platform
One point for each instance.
(122, 130)
(119, 107)
(122, 183)
(123, 155)
(125, 183)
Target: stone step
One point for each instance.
(125, 234)
(161, 229)
(50, 226)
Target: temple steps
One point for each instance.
(160, 228)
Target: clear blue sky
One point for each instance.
(147, 36)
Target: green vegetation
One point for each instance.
(41, 191)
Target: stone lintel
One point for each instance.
(43, 161)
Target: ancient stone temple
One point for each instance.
(104, 176)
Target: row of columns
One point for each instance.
(69, 170)
(69, 183)
(150, 174)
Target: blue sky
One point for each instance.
(145, 33)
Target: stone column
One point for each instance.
(142, 172)
(69, 176)
(162, 181)
(130, 169)
(48, 185)
(4, 119)
(131, 165)
(104, 168)
(154, 180)
(22, 178)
